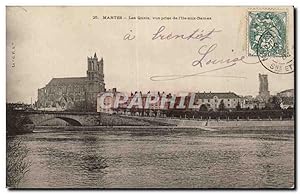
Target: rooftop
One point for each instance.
(67, 80)
(289, 90)
(209, 95)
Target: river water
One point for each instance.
(158, 158)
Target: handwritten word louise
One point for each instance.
(205, 59)
(203, 52)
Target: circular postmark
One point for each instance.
(279, 64)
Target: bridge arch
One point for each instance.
(37, 118)
(70, 121)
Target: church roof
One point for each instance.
(68, 81)
(210, 95)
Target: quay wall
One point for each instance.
(222, 123)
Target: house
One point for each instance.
(212, 100)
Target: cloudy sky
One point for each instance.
(55, 42)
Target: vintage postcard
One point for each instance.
(150, 97)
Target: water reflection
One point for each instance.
(159, 159)
(16, 164)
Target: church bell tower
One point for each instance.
(95, 81)
(95, 69)
(264, 92)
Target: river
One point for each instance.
(156, 158)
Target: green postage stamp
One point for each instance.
(267, 34)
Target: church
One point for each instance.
(74, 93)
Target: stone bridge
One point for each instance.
(21, 117)
(20, 121)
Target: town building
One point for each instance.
(212, 100)
(287, 98)
(107, 105)
(74, 93)
(249, 102)
(286, 93)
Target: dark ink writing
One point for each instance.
(195, 35)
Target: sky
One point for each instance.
(47, 42)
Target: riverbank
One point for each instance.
(173, 124)
(219, 123)
(187, 126)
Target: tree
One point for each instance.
(255, 107)
(274, 102)
(203, 107)
(222, 105)
(238, 106)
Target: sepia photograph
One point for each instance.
(150, 97)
